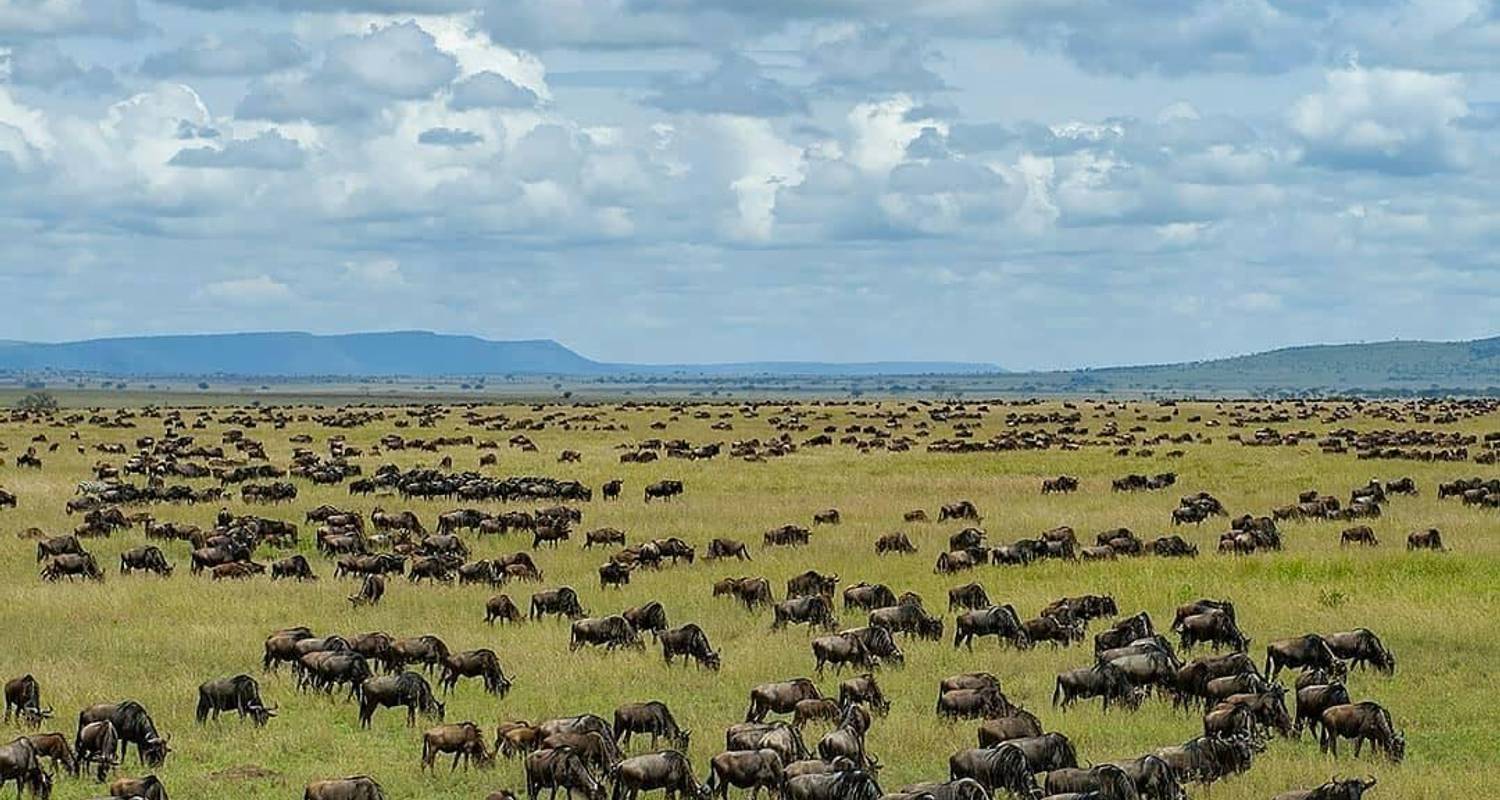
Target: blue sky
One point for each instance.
(1035, 183)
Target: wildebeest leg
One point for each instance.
(455, 762)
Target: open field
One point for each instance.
(155, 640)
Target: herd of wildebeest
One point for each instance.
(1243, 699)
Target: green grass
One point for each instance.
(155, 640)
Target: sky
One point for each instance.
(1031, 183)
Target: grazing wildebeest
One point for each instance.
(370, 591)
(463, 739)
(843, 783)
(868, 596)
(501, 607)
(822, 709)
(133, 726)
(689, 641)
(1003, 767)
(1124, 632)
(96, 743)
(1360, 534)
(1313, 700)
(58, 546)
(1046, 752)
(969, 596)
(357, 787)
(779, 737)
(864, 689)
(293, 567)
(1429, 539)
(669, 770)
(23, 695)
(1361, 722)
(1214, 627)
(963, 510)
(972, 703)
(147, 558)
(609, 632)
(909, 618)
(1051, 629)
(841, 649)
(813, 610)
(1103, 680)
(1310, 650)
(1201, 606)
(1207, 759)
(826, 517)
(562, 601)
(652, 717)
(650, 616)
(54, 747)
(603, 536)
(408, 689)
(780, 697)
(998, 621)
(727, 548)
(240, 694)
(147, 788)
(19, 763)
(1334, 789)
(896, 542)
(481, 663)
(70, 566)
(560, 768)
(811, 583)
(751, 770)
(1017, 724)
(1360, 647)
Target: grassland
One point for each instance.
(156, 640)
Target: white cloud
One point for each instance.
(257, 290)
(1398, 121)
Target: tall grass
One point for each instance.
(155, 640)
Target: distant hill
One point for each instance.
(399, 353)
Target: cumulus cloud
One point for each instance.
(449, 137)
(490, 90)
(256, 290)
(242, 53)
(736, 85)
(1402, 122)
(26, 19)
(269, 150)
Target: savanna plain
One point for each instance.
(155, 639)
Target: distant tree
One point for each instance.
(203, 385)
(37, 401)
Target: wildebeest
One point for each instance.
(778, 737)
(841, 649)
(663, 490)
(969, 596)
(603, 536)
(609, 632)
(1334, 789)
(669, 770)
(95, 744)
(501, 607)
(1361, 722)
(1310, 650)
(481, 663)
(1207, 759)
(653, 718)
(650, 617)
(727, 548)
(1361, 647)
(909, 618)
(1124, 632)
(293, 567)
(1201, 606)
(779, 697)
(240, 694)
(1046, 752)
(370, 591)
(1313, 700)
(1360, 534)
(147, 788)
(54, 747)
(614, 574)
(972, 703)
(1051, 629)
(1429, 539)
(1003, 767)
(408, 689)
(562, 601)
(868, 596)
(70, 566)
(57, 546)
(1017, 723)
(560, 768)
(23, 695)
(998, 621)
(813, 610)
(787, 536)
(864, 689)
(751, 770)
(962, 510)
(896, 542)
(1103, 680)
(463, 739)
(133, 726)
(358, 787)
(19, 763)
(689, 641)
(1214, 627)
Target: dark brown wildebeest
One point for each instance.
(609, 632)
(147, 788)
(1003, 768)
(1100, 782)
(240, 694)
(955, 561)
(408, 689)
(727, 548)
(1301, 652)
(811, 583)
(481, 663)
(1359, 534)
(611, 489)
(1313, 700)
(1193, 677)
(663, 490)
(878, 642)
(57, 546)
(1361, 722)
(1202, 606)
(908, 618)
(293, 567)
(1208, 759)
(812, 611)
(787, 536)
(752, 769)
(370, 591)
(652, 717)
(614, 574)
(689, 641)
(779, 697)
(1000, 622)
(669, 770)
(133, 726)
(828, 516)
(23, 695)
(463, 739)
(562, 601)
(822, 709)
(357, 787)
(1017, 724)
(236, 571)
(896, 542)
(963, 510)
(868, 596)
(283, 646)
(427, 650)
(603, 536)
(1103, 680)
(915, 515)
(982, 702)
(70, 566)
(1124, 632)
(1046, 752)
(650, 616)
(1334, 789)
(96, 743)
(750, 591)
(969, 596)
(1361, 647)
(515, 737)
(1051, 629)
(841, 649)
(1429, 539)
(1062, 484)
(560, 768)
(967, 539)
(501, 607)
(1214, 627)
(54, 747)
